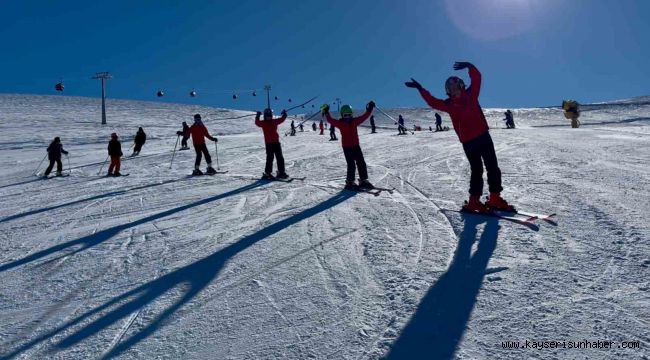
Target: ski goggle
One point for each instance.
(347, 115)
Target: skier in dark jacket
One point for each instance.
(400, 127)
(272, 142)
(313, 126)
(199, 132)
(510, 120)
(347, 125)
(54, 152)
(293, 128)
(472, 129)
(373, 128)
(333, 133)
(139, 140)
(438, 122)
(115, 152)
(185, 133)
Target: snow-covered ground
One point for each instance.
(160, 265)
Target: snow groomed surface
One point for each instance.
(162, 265)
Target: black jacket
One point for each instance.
(140, 138)
(54, 151)
(114, 148)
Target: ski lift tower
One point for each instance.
(267, 88)
(103, 76)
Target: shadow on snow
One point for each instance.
(190, 280)
(437, 327)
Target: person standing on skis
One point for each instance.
(115, 152)
(347, 125)
(373, 128)
(438, 122)
(185, 133)
(272, 143)
(321, 127)
(333, 133)
(54, 155)
(139, 140)
(400, 127)
(199, 132)
(472, 129)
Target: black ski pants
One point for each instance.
(137, 147)
(274, 150)
(480, 151)
(438, 127)
(59, 166)
(202, 149)
(184, 141)
(354, 158)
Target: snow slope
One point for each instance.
(160, 265)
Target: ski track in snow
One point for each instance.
(162, 265)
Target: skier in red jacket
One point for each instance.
(199, 132)
(272, 142)
(347, 125)
(472, 129)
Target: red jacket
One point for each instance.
(199, 133)
(465, 111)
(349, 135)
(270, 128)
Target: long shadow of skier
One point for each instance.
(80, 201)
(438, 325)
(89, 241)
(190, 280)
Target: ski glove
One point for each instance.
(259, 113)
(370, 106)
(461, 65)
(283, 113)
(413, 84)
(325, 109)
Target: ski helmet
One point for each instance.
(346, 110)
(57, 139)
(268, 113)
(454, 82)
(197, 116)
(114, 135)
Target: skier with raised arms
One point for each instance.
(272, 143)
(470, 125)
(347, 125)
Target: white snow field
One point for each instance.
(159, 265)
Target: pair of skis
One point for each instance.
(518, 216)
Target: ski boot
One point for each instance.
(197, 172)
(365, 184)
(58, 173)
(475, 205)
(117, 173)
(496, 202)
(210, 170)
(110, 173)
(283, 176)
(267, 176)
(351, 185)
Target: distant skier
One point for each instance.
(199, 132)
(510, 120)
(472, 129)
(572, 112)
(400, 127)
(321, 127)
(54, 152)
(301, 127)
(373, 128)
(347, 125)
(333, 133)
(438, 122)
(313, 127)
(293, 128)
(115, 152)
(272, 143)
(139, 140)
(185, 133)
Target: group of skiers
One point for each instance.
(462, 106)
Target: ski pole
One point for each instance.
(39, 164)
(104, 163)
(216, 150)
(69, 168)
(174, 153)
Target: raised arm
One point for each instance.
(331, 120)
(428, 98)
(281, 119)
(474, 75)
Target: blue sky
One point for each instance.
(531, 52)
